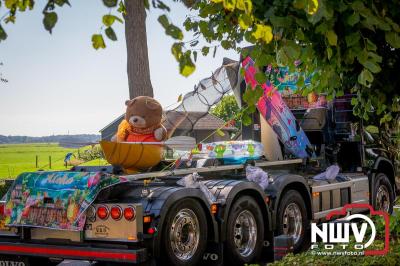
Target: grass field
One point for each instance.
(18, 158)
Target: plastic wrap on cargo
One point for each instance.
(231, 152)
(257, 175)
(330, 173)
(192, 181)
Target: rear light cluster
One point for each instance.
(116, 212)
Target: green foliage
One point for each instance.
(349, 46)
(227, 109)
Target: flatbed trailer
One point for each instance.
(233, 221)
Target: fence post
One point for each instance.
(50, 162)
(37, 160)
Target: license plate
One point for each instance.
(13, 261)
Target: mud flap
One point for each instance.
(213, 254)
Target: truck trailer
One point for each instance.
(153, 218)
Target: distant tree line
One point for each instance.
(67, 139)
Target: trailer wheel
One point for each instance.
(383, 196)
(292, 220)
(245, 232)
(184, 235)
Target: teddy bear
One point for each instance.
(142, 121)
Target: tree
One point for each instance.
(227, 109)
(136, 45)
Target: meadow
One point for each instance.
(19, 158)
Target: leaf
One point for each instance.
(3, 34)
(372, 66)
(365, 77)
(311, 6)
(180, 98)
(352, 38)
(225, 44)
(10, 3)
(61, 2)
(370, 45)
(98, 41)
(108, 20)
(393, 39)
(229, 4)
(220, 132)
(110, 34)
(174, 32)
(186, 66)
(245, 5)
(375, 57)
(49, 20)
(282, 58)
(332, 37)
(292, 50)
(244, 21)
(164, 21)
(176, 50)
(246, 120)
(110, 3)
(205, 50)
(10, 19)
(353, 19)
(263, 32)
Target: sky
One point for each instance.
(59, 84)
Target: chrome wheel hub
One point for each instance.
(184, 234)
(245, 233)
(292, 222)
(383, 199)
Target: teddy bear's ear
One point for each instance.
(152, 104)
(129, 102)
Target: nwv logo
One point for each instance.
(338, 233)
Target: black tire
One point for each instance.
(382, 182)
(191, 206)
(233, 255)
(289, 198)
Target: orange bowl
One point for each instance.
(133, 157)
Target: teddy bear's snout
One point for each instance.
(137, 121)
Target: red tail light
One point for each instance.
(129, 213)
(102, 212)
(116, 212)
(1, 209)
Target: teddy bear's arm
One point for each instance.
(160, 133)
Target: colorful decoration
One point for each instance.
(55, 200)
(278, 115)
(231, 152)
